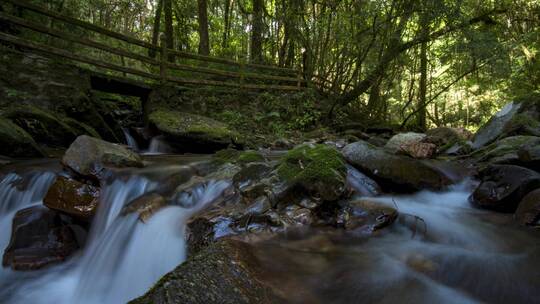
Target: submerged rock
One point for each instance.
(73, 197)
(39, 238)
(145, 205)
(394, 172)
(319, 169)
(16, 142)
(528, 211)
(193, 133)
(88, 156)
(503, 186)
(367, 215)
(226, 272)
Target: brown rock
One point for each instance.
(419, 149)
(72, 197)
(528, 211)
(39, 238)
(145, 205)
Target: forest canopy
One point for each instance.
(417, 64)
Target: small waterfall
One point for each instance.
(158, 145)
(123, 257)
(131, 142)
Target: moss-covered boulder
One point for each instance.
(319, 169)
(89, 156)
(188, 132)
(506, 150)
(44, 126)
(16, 142)
(394, 173)
(225, 272)
(237, 157)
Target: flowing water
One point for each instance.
(440, 250)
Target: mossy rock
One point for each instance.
(44, 126)
(505, 151)
(319, 169)
(193, 133)
(81, 128)
(237, 157)
(16, 142)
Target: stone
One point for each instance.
(39, 238)
(89, 156)
(489, 132)
(145, 205)
(502, 187)
(397, 141)
(507, 150)
(252, 172)
(361, 184)
(419, 150)
(528, 211)
(319, 169)
(225, 272)
(16, 142)
(444, 137)
(394, 173)
(368, 216)
(188, 132)
(73, 197)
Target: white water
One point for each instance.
(123, 257)
(158, 145)
(131, 142)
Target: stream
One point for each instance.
(441, 250)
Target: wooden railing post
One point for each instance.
(300, 77)
(163, 58)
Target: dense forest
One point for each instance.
(269, 151)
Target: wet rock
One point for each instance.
(89, 156)
(73, 197)
(259, 206)
(503, 186)
(419, 150)
(394, 172)
(226, 272)
(398, 141)
(368, 215)
(237, 157)
(319, 169)
(39, 238)
(507, 150)
(528, 211)
(251, 173)
(193, 133)
(361, 184)
(146, 205)
(16, 142)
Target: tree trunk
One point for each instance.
(256, 31)
(169, 33)
(157, 24)
(225, 42)
(422, 92)
(204, 40)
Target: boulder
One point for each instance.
(361, 184)
(507, 150)
(445, 136)
(145, 205)
(366, 215)
(521, 117)
(39, 238)
(73, 197)
(528, 211)
(226, 272)
(419, 150)
(16, 142)
(89, 156)
(394, 173)
(400, 140)
(319, 169)
(502, 187)
(188, 132)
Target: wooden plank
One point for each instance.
(185, 67)
(66, 54)
(36, 27)
(184, 81)
(83, 24)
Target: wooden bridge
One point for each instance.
(143, 72)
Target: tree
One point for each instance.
(204, 39)
(256, 31)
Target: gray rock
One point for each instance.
(528, 211)
(489, 132)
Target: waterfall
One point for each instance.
(123, 256)
(158, 145)
(131, 142)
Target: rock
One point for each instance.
(506, 150)
(520, 117)
(237, 157)
(89, 156)
(394, 173)
(73, 197)
(529, 156)
(400, 140)
(44, 126)
(251, 173)
(193, 133)
(226, 272)
(319, 169)
(368, 216)
(16, 142)
(39, 238)
(446, 137)
(419, 150)
(528, 211)
(145, 205)
(503, 186)
(361, 183)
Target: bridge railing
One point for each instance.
(245, 75)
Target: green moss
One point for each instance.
(81, 128)
(250, 157)
(16, 142)
(237, 157)
(178, 123)
(320, 168)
